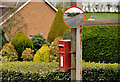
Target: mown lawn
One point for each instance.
(101, 15)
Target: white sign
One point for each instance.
(61, 61)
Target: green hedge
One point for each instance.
(91, 72)
(100, 43)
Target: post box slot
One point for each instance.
(61, 46)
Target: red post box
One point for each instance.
(64, 56)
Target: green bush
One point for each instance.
(54, 50)
(9, 53)
(91, 72)
(27, 54)
(18, 76)
(21, 42)
(100, 43)
(33, 67)
(3, 39)
(58, 27)
(42, 55)
(38, 41)
(67, 35)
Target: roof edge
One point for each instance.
(15, 12)
(55, 9)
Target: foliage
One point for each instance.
(72, 14)
(26, 71)
(109, 6)
(95, 74)
(33, 67)
(3, 39)
(42, 55)
(9, 53)
(67, 35)
(21, 42)
(58, 27)
(101, 43)
(14, 24)
(54, 50)
(38, 41)
(59, 6)
(91, 71)
(27, 54)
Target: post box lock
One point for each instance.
(61, 53)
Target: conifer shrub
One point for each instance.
(27, 54)
(54, 50)
(21, 42)
(3, 39)
(38, 41)
(42, 55)
(9, 53)
(67, 35)
(58, 27)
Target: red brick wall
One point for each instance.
(38, 16)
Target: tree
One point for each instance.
(58, 27)
(89, 8)
(3, 39)
(101, 7)
(59, 6)
(21, 42)
(13, 25)
(117, 7)
(109, 6)
(96, 7)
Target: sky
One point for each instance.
(72, 10)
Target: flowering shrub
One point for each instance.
(9, 53)
(54, 50)
(42, 55)
(27, 54)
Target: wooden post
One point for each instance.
(73, 55)
(79, 54)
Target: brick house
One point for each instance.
(38, 17)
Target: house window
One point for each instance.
(30, 36)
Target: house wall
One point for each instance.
(38, 17)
